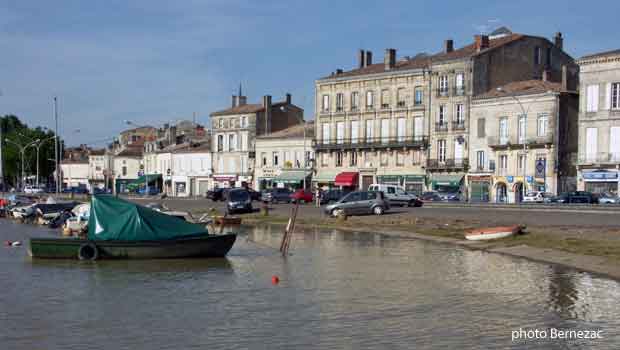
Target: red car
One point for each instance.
(303, 196)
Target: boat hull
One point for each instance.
(492, 233)
(201, 247)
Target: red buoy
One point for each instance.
(275, 279)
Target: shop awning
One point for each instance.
(346, 179)
(325, 176)
(141, 181)
(291, 176)
(447, 180)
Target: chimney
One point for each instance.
(448, 46)
(242, 100)
(559, 41)
(389, 59)
(361, 59)
(235, 101)
(564, 78)
(338, 71)
(267, 107)
(368, 58)
(172, 135)
(481, 42)
(288, 96)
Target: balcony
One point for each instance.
(354, 109)
(441, 127)
(385, 106)
(599, 158)
(540, 140)
(447, 164)
(401, 104)
(458, 125)
(372, 143)
(459, 91)
(443, 92)
(513, 141)
(339, 109)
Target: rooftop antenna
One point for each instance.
(240, 94)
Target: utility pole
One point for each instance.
(56, 146)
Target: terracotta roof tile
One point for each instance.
(526, 87)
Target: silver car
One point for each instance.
(359, 202)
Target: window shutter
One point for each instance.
(480, 127)
(608, 96)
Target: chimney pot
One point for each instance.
(559, 41)
(368, 58)
(481, 42)
(235, 101)
(361, 59)
(338, 71)
(448, 46)
(289, 99)
(389, 59)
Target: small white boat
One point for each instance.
(489, 233)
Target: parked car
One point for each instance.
(303, 196)
(359, 202)
(216, 194)
(276, 195)
(608, 198)
(331, 196)
(238, 200)
(450, 196)
(76, 190)
(536, 197)
(255, 195)
(575, 197)
(431, 196)
(32, 189)
(396, 195)
(152, 191)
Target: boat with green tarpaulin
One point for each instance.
(119, 229)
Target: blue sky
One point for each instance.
(156, 61)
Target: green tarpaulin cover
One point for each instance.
(115, 219)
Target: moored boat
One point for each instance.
(489, 233)
(227, 220)
(119, 229)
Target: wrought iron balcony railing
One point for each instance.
(443, 92)
(374, 142)
(459, 90)
(446, 164)
(599, 158)
(458, 125)
(441, 127)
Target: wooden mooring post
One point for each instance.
(290, 228)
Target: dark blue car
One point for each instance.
(152, 191)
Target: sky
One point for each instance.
(157, 61)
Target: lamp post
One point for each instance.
(38, 143)
(22, 151)
(146, 177)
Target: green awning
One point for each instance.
(388, 178)
(141, 181)
(291, 176)
(447, 180)
(415, 178)
(325, 176)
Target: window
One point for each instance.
(503, 131)
(355, 100)
(614, 143)
(124, 171)
(385, 130)
(263, 156)
(353, 159)
(480, 160)
(340, 133)
(220, 142)
(308, 157)
(415, 159)
(325, 107)
(232, 142)
(460, 117)
(326, 133)
(400, 129)
(460, 83)
(324, 159)
(521, 162)
(355, 126)
(400, 158)
(385, 98)
(418, 127)
(419, 96)
(592, 98)
(441, 150)
(591, 143)
(443, 85)
(615, 96)
(522, 121)
(339, 102)
(383, 158)
(401, 98)
(338, 158)
(541, 125)
(481, 130)
(548, 57)
(442, 115)
(537, 53)
(503, 164)
(274, 158)
(370, 99)
(370, 126)
(244, 122)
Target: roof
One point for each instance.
(377, 68)
(601, 54)
(130, 152)
(247, 108)
(201, 148)
(71, 161)
(290, 132)
(526, 87)
(97, 152)
(471, 51)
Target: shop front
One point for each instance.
(479, 188)
(264, 178)
(601, 181)
(181, 186)
(411, 183)
(224, 181)
(347, 180)
(324, 179)
(512, 189)
(447, 183)
(293, 179)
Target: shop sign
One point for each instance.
(510, 179)
(225, 177)
(270, 172)
(529, 179)
(600, 176)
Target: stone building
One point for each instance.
(599, 122)
(234, 131)
(74, 167)
(99, 169)
(372, 123)
(285, 158)
(191, 170)
(524, 134)
(127, 167)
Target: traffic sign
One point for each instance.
(540, 168)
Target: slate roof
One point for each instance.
(290, 132)
(526, 87)
(601, 55)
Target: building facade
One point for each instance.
(191, 171)
(234, 131)
(99, 169)
(599, 123)
(285, 158)
(74, 167)
(127, 167)
(523, 138)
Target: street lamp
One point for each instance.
(146, 177)
(22, 150)
(524, 111)
(38, 143)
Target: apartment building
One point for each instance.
(599, 122)
(285, 158)
(235, 129)
(371, 124)
(74, 167)
(99, 169)
(523, 138)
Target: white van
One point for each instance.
(396, 195)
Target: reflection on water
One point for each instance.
(337, 290)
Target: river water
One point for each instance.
(337, 291)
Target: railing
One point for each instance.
(385, 106)
(441, 127)
(401, 104)
(540, 140)
(354, 109)
(599, 158)
(443, 92)
(436, 164)
(458, 125)
(374, 142)
(459, 90)
(512, 140)
(339, 109)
